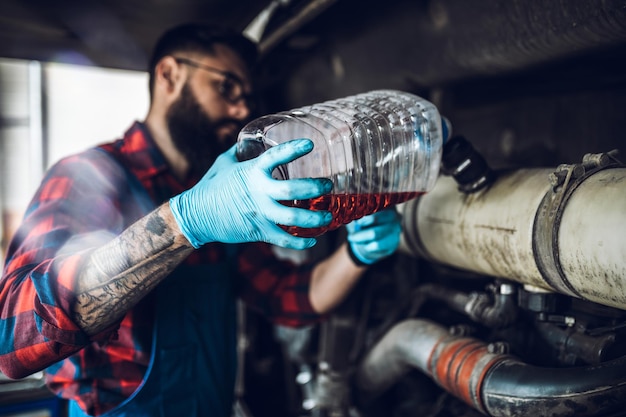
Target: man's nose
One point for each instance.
(240, 110)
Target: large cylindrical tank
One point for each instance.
(562, 230)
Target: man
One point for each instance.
(121, 281)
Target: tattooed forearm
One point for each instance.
(123, 271)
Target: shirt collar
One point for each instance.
(141, 152)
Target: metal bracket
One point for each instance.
(546, 226)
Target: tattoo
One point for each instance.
(125, 270)
(156, 225)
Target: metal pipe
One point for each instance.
(308, 13)
(494, 311)
(492, 39)
(563, 230)
(254, 30)
(493, 383)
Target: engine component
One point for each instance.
(494, 383)
(468, 167)
(563, 230)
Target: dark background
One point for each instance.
(527, 81)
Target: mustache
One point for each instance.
(228, 121)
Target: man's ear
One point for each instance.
(168, 75)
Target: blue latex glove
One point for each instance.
(374, 237)
(236, 202)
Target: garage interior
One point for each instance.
(461, 322)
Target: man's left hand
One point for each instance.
(374, 237)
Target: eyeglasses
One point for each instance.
(231, 86)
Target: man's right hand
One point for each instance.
(238, 202)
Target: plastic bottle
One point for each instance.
(379, 148)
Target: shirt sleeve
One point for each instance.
(278, 289)
(74, 211)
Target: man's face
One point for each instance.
(195, 133)
(204, 121)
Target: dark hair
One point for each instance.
(201, 38)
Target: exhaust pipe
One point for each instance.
(492, 383)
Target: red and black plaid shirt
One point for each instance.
(78, 206)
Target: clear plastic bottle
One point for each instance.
(379, 148)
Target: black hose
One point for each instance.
(513, 388)
(495, 384)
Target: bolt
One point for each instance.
(501, 348)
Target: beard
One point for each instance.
(194, 133)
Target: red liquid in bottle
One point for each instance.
(345, 208)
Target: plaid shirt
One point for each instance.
(79, 206)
